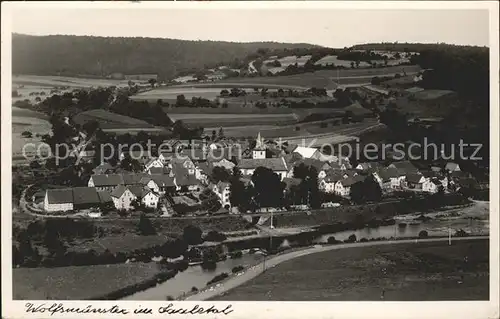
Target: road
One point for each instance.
(256, 270)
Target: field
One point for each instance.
(108, 120)
(119, 243)
(62, 81)
(291, 59)
(26, 120)
(77, 282)
(332, 59)
(428, 271)
(218, 120)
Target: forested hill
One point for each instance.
(100, 56)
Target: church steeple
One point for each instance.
(260, 148)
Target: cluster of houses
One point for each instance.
(188, 172)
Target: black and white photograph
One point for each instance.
(212, 154)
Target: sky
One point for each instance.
(327, 27)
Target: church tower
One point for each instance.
(260, 148)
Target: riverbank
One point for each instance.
(251, 273)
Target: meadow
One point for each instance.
(291, 59)
(27, 120)
(332, 59)
(426, 271)
(228, 120)
(63, 81)
(78, 282)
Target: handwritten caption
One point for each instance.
(169, 309)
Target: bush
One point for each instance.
(363, 240)
(192, 235)
(26, 134)
(236, 254)
(332, 240)
(218, 278)
(423, 234)
(194, 289)
(170, 298)
(351, 239)
(461, 233)
(145, 227)
(215, 236)
(237, 269)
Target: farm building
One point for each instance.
(277, 165)
(74, 198)
(58, 200)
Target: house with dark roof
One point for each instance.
(186, 183)
(159, 183)
(153, 162)
(405, 166)
(58, 200)
(320, 166)
(85, 197)
(328, 183)
(123, 198)
(159, 170)
(74, 198)
(141, 155)
(107, 182)
(149, 198)
(415, 181)
(343, 187)
(277, 165)
(104, 168)
(390, 178)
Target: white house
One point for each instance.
(327, 184)
(307, 152)
(222, 190)
(224, 163)
(154, 162)
(150, 198)
(58, 200)
(390, 178)
(277, 165)
(123, 198)
(343, 187)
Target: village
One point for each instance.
(185, 179)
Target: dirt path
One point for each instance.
(256, 270)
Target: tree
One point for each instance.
(145, 227)
(357, 63)
(352, 64)
(366, 190)
(220, 174)
(192, 235)
(181, 101)
(152, 82)
(268, 188)
(209, 201)
(423, 234)
(221, 133)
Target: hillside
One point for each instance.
(101, 56)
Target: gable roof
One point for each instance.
(133, 178)
(159, 170)
(275, 164)
(107, 179)
(85, 195)
(406, 166)
(103, 168)
(452, 166)
(333, 176)
(414, 178)
(118, 192)
(136, 190)
(387, 173)
(186, 180)
(317, 164)
(60, 196)
(104, 196)
(305, 152)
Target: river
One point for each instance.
(473, 219)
